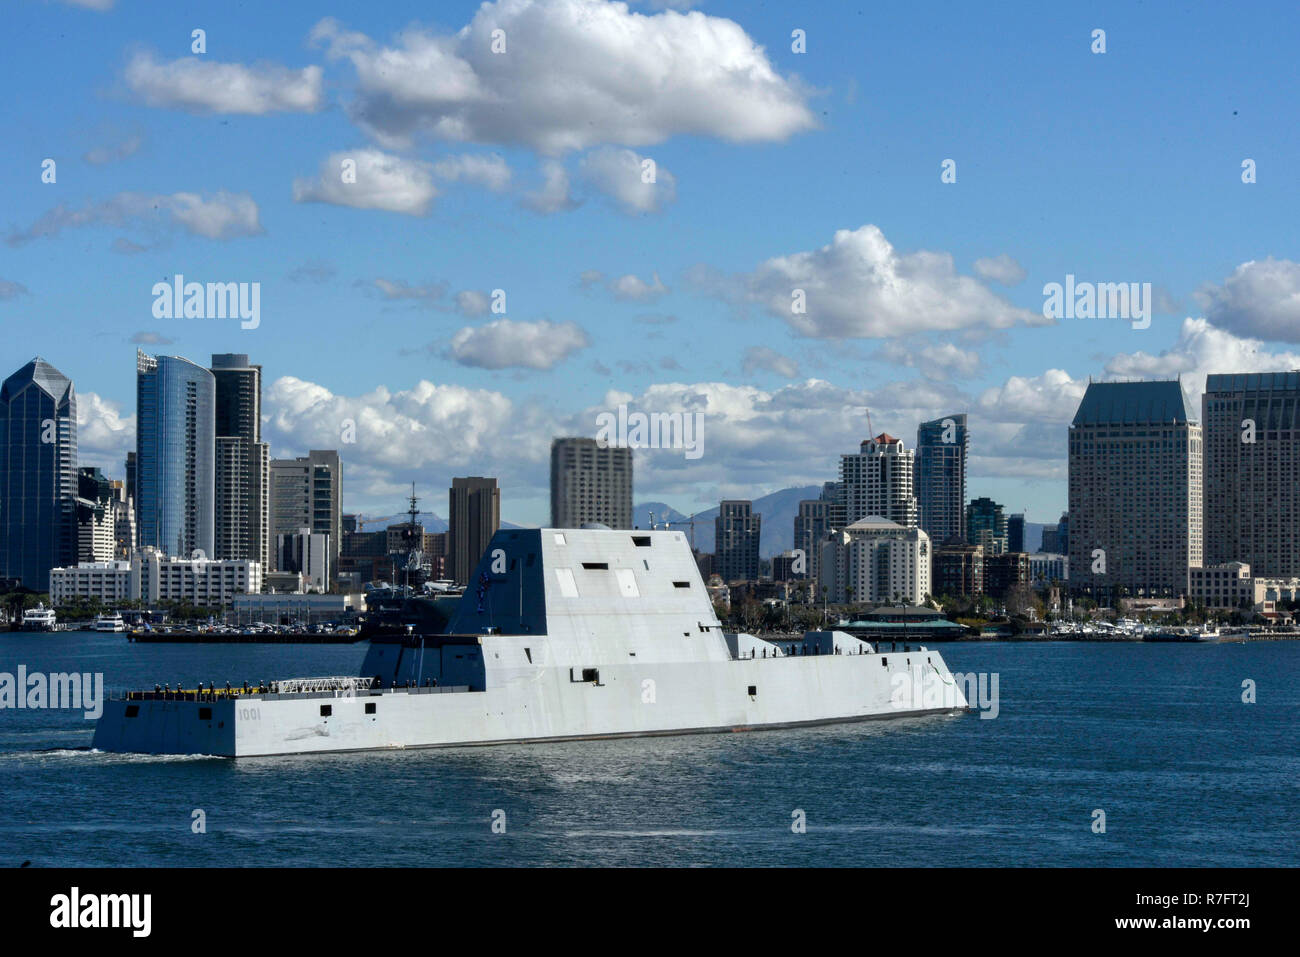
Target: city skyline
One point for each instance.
(924, 296)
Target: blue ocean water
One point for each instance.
(1155, 736)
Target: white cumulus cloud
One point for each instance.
(506, 343)
(1259, 299)
(574, 74)
(622, 175)
(859, 286)
(370, 179)
(199, 85)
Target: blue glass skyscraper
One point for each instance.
(942, 448)
(38, 474)
(175, 455)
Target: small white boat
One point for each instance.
(111, 622)
(39, 618)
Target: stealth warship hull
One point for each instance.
(563, 634)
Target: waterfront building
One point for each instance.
(986, 525)
(958, 568)
(242, 484)
(38, 474)
(876, 560)
(152, 576)
(1135, 491)
(1016, 532)
(306, 492)
(307, 553)
(1048, 567)
(97, 517)
(877, 481)
(1003, 571)
(175, 456)
(1251, 505)
(942, 450)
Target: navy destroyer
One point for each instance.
(562, 634)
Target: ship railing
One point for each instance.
(340, 683)
(339, 686)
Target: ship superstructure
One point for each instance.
(562, 633)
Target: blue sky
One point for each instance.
(1123, 166)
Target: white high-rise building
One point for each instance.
(877, 481)
(876, 560)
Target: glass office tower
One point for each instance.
(38, 474)
(175, 455)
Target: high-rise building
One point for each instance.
(473, 517)
(876, 560)
(833, 495)
(175, 455)
(1016, 532)
(130, 476)
(1252, 471)
(1135, 490)
(307, 553)
(986, 525)
(243, 462)
(877, 481)
(958, 568)
(38, 474)
(942, 448)
(1005, 572)
(737, 531)
(811, 525)
(590, 482)
(96, 517)
(306, 492)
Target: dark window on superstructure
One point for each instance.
(370, 707)
(641, 541)
(326, 710)
(205, 714)
(681, 584)
(753, 690)
(591, 674)
(133, 711)
(884, 662)
(595, 565)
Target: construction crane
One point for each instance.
(667, 524)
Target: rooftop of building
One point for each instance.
(1253, 382)
(1133, 403)
(874, 521)
(50, 379)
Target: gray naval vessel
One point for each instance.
(562, 634)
